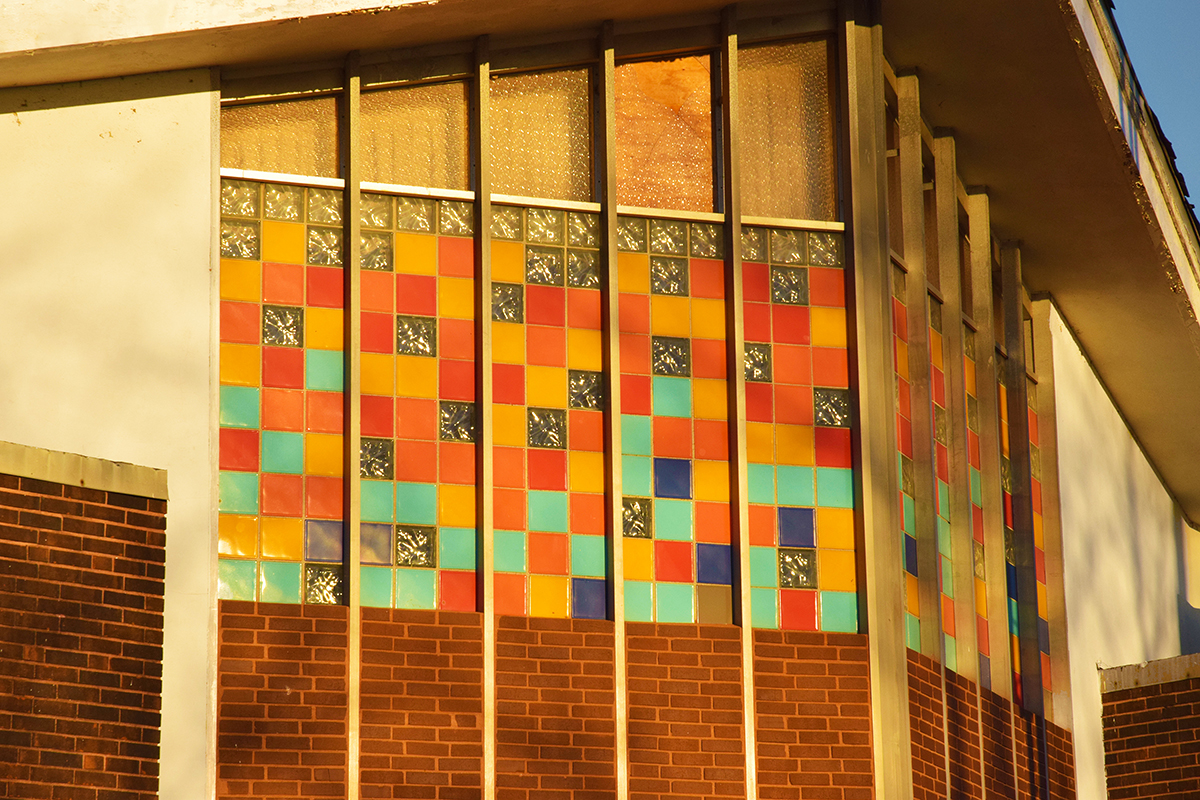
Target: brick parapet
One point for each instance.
(1152, 739)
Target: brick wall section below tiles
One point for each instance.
(1062, 762)
(81, 600)
(926, 720)
(999, 780)
(685, 711)
(812, 715)
(555, 731)
(281, 700)
(962, 729)
(422, 704)
(1152, 740)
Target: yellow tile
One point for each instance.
(1015, 650)
(549, 596)
(546, 387)
(639, 559)
(508, 342)
(1039, 532)
(282, 538)
(283, 242)
(323, 454)
(760, 442)
(936, 349)
(237, 535)
(633, 272)
(828, 327)
(456, 506)
(323, 328)
(1043, 602)
(835, 571)
(508, 261)
(708, 318)
(241, 280)
(584, 349)
(508, 425)
(1003, 402)
(835, 528)
(670, 316)
(378, 373)
(794, 444)
(456, 297)
(969, 376)
(415, 254)
(912, 595)
(712, 480)
(981, 598)
(1003, 437)
(240, 364)
(587, 471)
(902, 359)
(416, 376)
(710, 399)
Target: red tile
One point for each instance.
(712, 439)
(634, 313)
(673, 437)
(378, 291)
(456, 463)
(977, 523)
(456, 590)
(583, 308)
(416, 419)
(708, 278)
(508, 465)
(793, 405)
(833, 447)
(548, 553)
(635, 354)
(510, 594)
(673, 561)
(416, 461)
(239, 449)
(323, 412)
(982, 636)
(377, 416)
(790, 324)
(456, 379)
(939, 386)
(1035, 491)
(758, 402)
(798, 609)
(509, 511)
(587, 513)
(240, 323)
(283, 410)
(942, 457)
(635, 394)
(323, 497)
(283, 367)
(378, 333)
(709, 358)
(712, 523)
(826, 287)
(585, 430)
(545, 305)
(793, 364)
(904, 433)
(756, 282)
(899, 320)
(283, 284)
(758, 322)
(508, 384)
(325, 287)
(762, 525)
(282, 495)
(904, 398)
(456, 256)
(416, 294)
(547, 469)
(456, 339)
(546, 347)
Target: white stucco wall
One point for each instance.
(107, 224)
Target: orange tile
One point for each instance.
(508, 464)
(456, 462)
(548, 553)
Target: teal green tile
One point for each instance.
(238, 492)
(899, 469)
(548, 511)
(239, 407)
(509, 551)
(416, 503)
(416, 588)
(639, 601)
(909, 514)
(635, 435)
(673, 520)
(835, 487)
(947, 577)
(976, 488)
(375, 587)
(637, 476)
(279, 582)
(235, 579)
(456, 548)
(912, 632)
(1013, 622)
(795, 486)
(378, 503)
(672, 396)
(673, 602)
(943, 536)
(588, 556)
(761, 480)
(839, 612)
(323, 370)
(764, 611)
(943, 490)
(764, 566)
(951, 652)
(283, 452)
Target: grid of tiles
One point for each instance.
(975, 476)
(904, 460)
(1006, 486)
(1039, 537)
(418, 403)
(281, 483)
(548, 414)
(941, 460)
(798, 411)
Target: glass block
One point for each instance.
(415, 214)
(668, 236)
(831, 407)
(325, 246)
(583, 269)
(545, 225)
(416, 336)
(239, 239)
(292, 137)
(376, 458)
(789, 285)
(283, 202)
(941, 432)
(508, 302)
(797, 568)
(456, 421)
(824, 249)
(283, 326)
(416, 546)
(1001, 370)
(668, 275)
(899, 283)
(322, 584)
(908, 483)
(507, 223)
(637, 518)
(322, 540)
(758, 362)
(935, 314)
(377, 251)
(585, 389)
(980, 560)
(754, 244)
(1010, 546)
(325, 206)
(544, 265)
(787, 246)
(416, 135)
(239, 198)
(969, 342)
(456, 218)
(1006, 481)
(583, 229)
(1035, 463)
(707, 240)
(375, 210)
(548, 428)
(1031, 393)
(973, 413)
(375, 543)
(671, 356)
(631, 234)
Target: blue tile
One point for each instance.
(322, 540)
(910, 555)
(796, 528)
(714, 564)
(673, 478)
(376, 543)
(589, 598)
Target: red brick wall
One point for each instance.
(1152, 740)
(926, 721)
(812, 715)
(1062, 762)
(281, 700)
(685, 711)
(962, 729)
(422, 704)
(998, 757)
(81, 588)
(555, 731)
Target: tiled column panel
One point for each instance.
(1039, 539)
(1009, 555)
(974, 461)
(904, 461)
(941, 463)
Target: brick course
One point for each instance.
(926, 713)
(962, 729)
(999, 779)
(1152, 740)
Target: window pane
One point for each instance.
(416, 136)
(665, 134)
(295, 137)
(542, 135)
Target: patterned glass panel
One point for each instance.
(294, 137)
(904, 460)
(416, 135)
(938, 353)
(975, 476)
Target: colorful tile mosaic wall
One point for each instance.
(941, 461)
(281, 484)
(975, 476)
(1006, 486)
(1039, 536)
(904, 460)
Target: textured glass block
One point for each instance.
(325, 206)
(669, 275)
(376, 458)
(325, 246)
(1035, 463)
(544, 265)
(1010, 546)
(548, 428)
(322, 584)
(969, 343)
(637, 518)
(631, 234)
(908, 483)
(239, 198)
(980, 555)
(899, 283)
(935, 314)
(416, 135)
(831, 407)
(283, 202)
(758, 362)
(797, 568)
(375, 210)
(789, 285)
(545, 225)
(671, 356)
(416, 546)
(293, 137)
(416, 336)
(283, 326)
(542, 134)
(707, 240)
(1031, 393)
(508, 302)
(941, 432)
(456, 218)
(788, 148)
(824, 249)
(1001, 370)
(787, 247)
(973, 413)
(583, 269)
(668, 236)
(456, 421)
(585, 389)
(415, 214)
(507, 223)
(1006, 481)
(377, 251)
(583, 229)
(239, 239)
(754, 244)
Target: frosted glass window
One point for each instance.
(665, 134)
(294, 137)
(416, 136)
(542, 134)
(787, 131)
